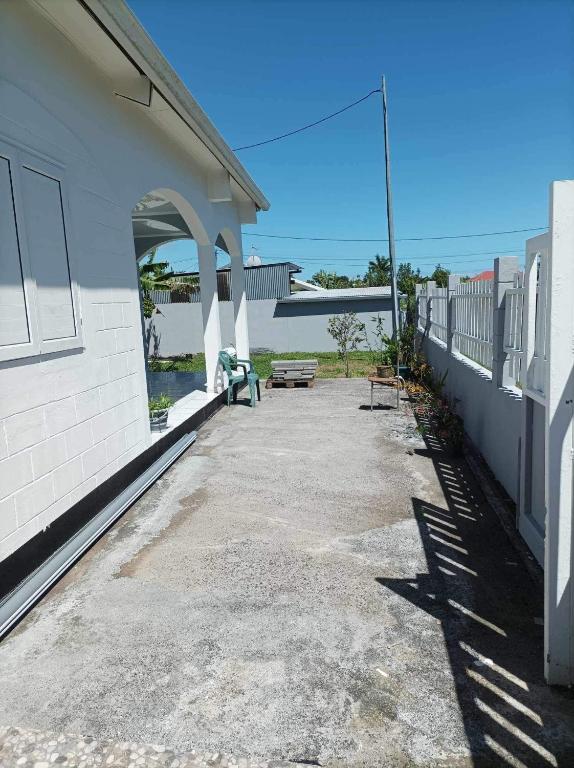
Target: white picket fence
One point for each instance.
(473, 322)
(513, 314)
(470, 323)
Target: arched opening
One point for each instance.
(172, 250)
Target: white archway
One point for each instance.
(162, 215)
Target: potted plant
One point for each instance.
(384, 351)
(158, 412)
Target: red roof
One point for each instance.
(488, 274)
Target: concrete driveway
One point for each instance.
(308, 583)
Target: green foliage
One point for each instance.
(155, 277)
(384, 350)
(160, 403)
(440, 276)
(408, 343)
(332, 280)
(407, 278)
(435, 412)
(379, 271)
(348, 332)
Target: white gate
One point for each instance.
(547, 468)
(532, 513)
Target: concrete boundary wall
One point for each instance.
(492, 415)
(281, 327)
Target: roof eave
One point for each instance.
(123, 25)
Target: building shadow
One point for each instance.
(490, 613)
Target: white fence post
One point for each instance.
(505, 267)
(453, 283)
(559, 388)
(430, 286)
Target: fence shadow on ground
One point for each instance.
(490, 615)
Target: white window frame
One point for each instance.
(18, 159)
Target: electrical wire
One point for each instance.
(344, 260)
(385, 240)
(309, 125)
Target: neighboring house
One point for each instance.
(100, 143)
(280, 319)
(488, 274)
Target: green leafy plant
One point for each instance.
(155, 277)
(348, 331)
(160, 403)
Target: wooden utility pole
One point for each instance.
(391, 231)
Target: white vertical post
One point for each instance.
(418, 291)
(559, 388)
(453, 283)
(431, 285)
(239, 306)
(505, 268)
(210, 314)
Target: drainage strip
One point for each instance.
(26, 594)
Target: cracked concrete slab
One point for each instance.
(309, 583)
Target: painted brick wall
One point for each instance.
(53, 454)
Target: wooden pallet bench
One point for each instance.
(287, 373)
(271, 383)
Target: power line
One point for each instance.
(310, 125)
(385, 240)
(413, 257)
(342, 259)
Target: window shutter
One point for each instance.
(13, 316)
(48, 252)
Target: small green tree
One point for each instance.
(348, 331)
(440, 276)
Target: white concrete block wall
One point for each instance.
(53, 454)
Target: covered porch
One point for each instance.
(158, 220)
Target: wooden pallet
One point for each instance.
(272, 383)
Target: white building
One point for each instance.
(94, 125)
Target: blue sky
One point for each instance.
(481, 101)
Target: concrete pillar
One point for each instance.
(559, 479)
(210, 314)
(239, 306)
(505, 268)
(453, 283)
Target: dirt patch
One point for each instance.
(187, 505)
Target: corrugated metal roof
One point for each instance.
(271, 281)
(329, 294)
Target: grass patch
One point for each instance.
(330, 366)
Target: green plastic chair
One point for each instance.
(231, 366)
